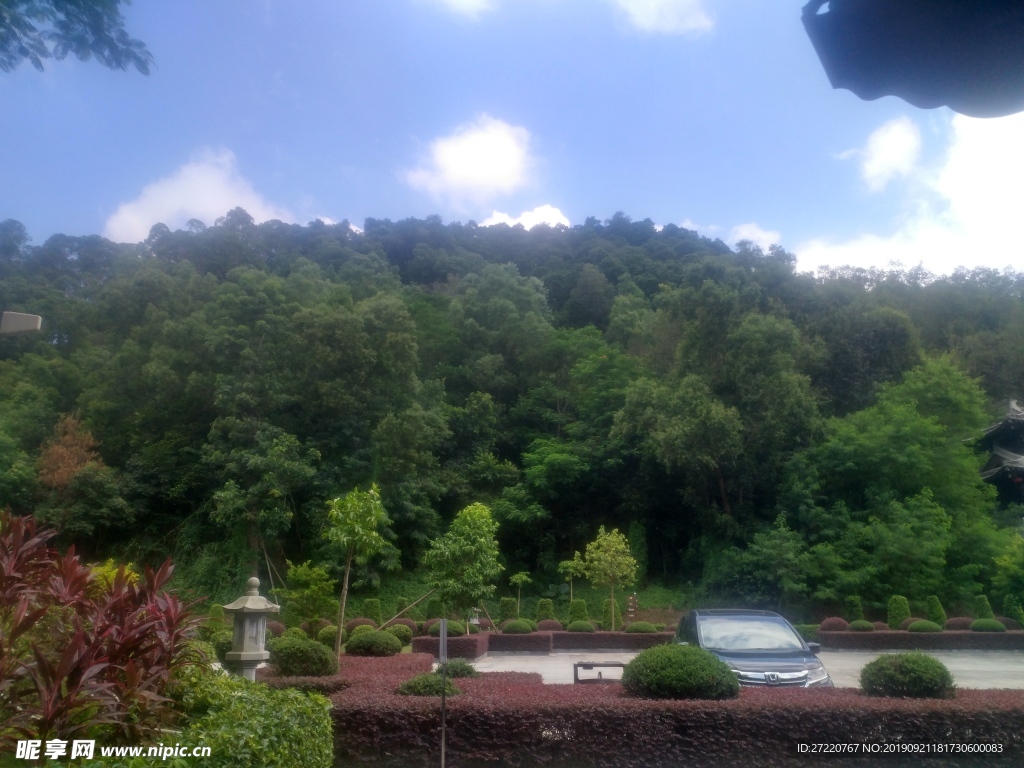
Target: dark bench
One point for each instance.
(577, 666)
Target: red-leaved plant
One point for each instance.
(72, 660)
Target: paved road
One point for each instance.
(971, 669)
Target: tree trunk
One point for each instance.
(341, 608)
(721, 490)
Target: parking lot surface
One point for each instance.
(970, 669)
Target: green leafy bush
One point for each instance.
(861, 626)
(578, 610)
(328, 635)
(580, 626)
(371, 610)
(374, 643)
(606, 615)
(905, 624)
(899, 609)
(401, 603)
(303, 658)
(854, 608)
(361, 629)
(400, 631)
(809, 632)
(982, 608)
(455, 629)
(545, 609)
(221, 643)
(435, 608)
(912, 675)
(281, 726)
(427, 684)
(508, 608)
(1012, 608)
(935, 611)
(516, 627)
(458, 668)
(215, 622)
(987, 625)
(295, 634)
(924, 626)
(679, 672)
(531, 622)
(659, 627)
(641, 626)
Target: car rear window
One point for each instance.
(747, 633)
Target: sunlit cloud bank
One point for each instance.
(752, 231)
(205, 188)
(667, 16)
(476, 163)
(892, 151)
(543, 214)
(966, 214)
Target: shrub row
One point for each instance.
(475, 646)
(936, 641)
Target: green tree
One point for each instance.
(519, 581)
(573, 569)
(463, 563)
(85, 28)
(357, 523)
(608, 562)
(308, 594)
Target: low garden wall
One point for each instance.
(947, 640)
(474, 646)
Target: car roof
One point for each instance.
(733, 612)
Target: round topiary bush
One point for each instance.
(425, 628)
(987, 625)
(935, 611)
(578, 610)
(899, 609)
(375, 643)
(412, 625)
(516, 627)
(880, 626)
(221, 642)
(400, 631)
(312, 628)
(641, 627)
(833, 624)
(911, 675)
(580, 626)
(679, 672)
(427, 684)
(455, 629)
(924, 626)
(362, 629)
(545, 609)
(1010, 624)
(328, 635)
(458, 668)
(295, 633)
(486, 625)
(958, 623)
(861, 626)
(303, 658)
(905, 624)
(353, 623)
(549, 625)
(275, 628)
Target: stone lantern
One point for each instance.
(250, 624)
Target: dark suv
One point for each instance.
(761, 647)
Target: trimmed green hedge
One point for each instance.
(679, 672)
(907, 675)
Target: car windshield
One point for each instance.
(748, 633)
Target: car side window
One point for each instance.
(690, 629)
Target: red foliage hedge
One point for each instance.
(833, 624)
(958, 622)
(590, 641)
(935, 641)
(510, 718)
(880, 626)
(1010, 624)
(464, 647)
(350, 625)
(905, 624)
(535, 642)
(324, 685)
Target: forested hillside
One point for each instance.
(772, 437)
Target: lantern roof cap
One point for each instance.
(252, 601)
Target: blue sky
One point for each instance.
(711, 114)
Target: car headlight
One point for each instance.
(818, 676)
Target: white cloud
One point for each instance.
(667, 16)
(476, 163)
(757, 235)
(205, 188)
(891, 151)
(543, 214)
(967, 214)
(708, 230)
(472, 8)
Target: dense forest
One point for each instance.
(763, 436)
